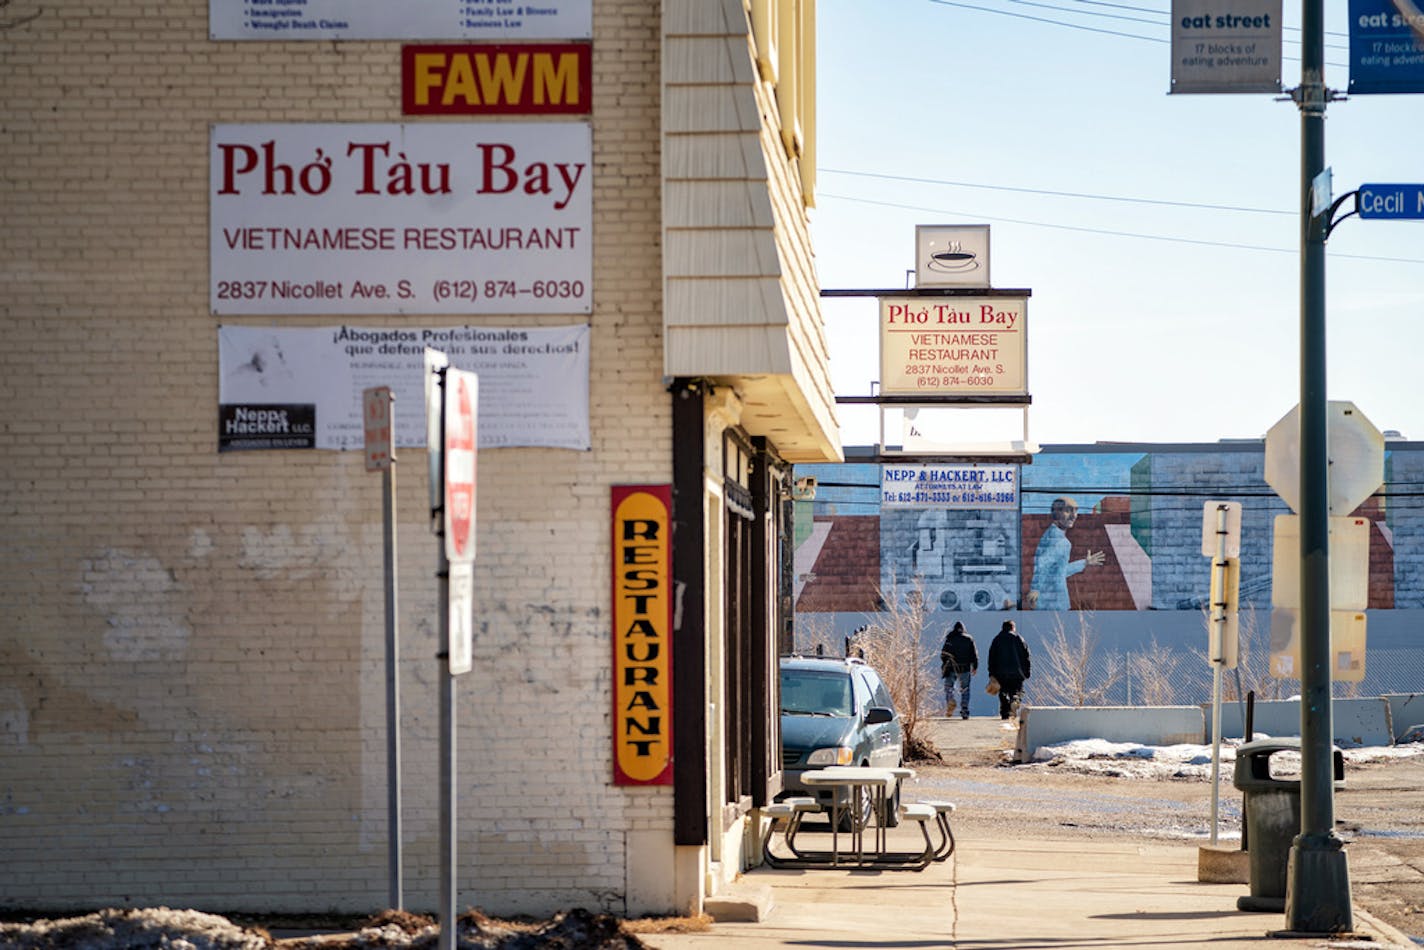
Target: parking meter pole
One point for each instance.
(1217, 658)
(396, 887)
(447, 727)
(1318, 888)
(447, 766)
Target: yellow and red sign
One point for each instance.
(642, 634)
(522, 79)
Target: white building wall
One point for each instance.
(192, 655)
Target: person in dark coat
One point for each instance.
(958, 662)
(1009, 664)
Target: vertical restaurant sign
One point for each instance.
(953, 346)
(383, 20)
(642, 634)
(1386, 47)
(1226, 46)
(515, 79)
(454, 218)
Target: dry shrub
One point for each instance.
(893, 643)
(700, 923)
(1077, 675)
(1155, 673)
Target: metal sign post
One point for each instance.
(1299, 450)
(451, 427)
(436, 363)
(1221, 540)
(1318, 879)
(377, 410)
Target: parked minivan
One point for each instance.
(836, 711)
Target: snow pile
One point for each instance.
(155, 927)
(1131, 760)
(159, 928)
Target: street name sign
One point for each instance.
(1391, 202)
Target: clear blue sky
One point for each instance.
(1147, 321)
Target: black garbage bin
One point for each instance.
(1272, 813)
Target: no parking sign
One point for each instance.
(461, 407)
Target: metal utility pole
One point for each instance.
(1317, 878)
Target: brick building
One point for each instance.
(192, 690)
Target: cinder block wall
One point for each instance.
(192, 705)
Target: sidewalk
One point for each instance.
(1002, 894)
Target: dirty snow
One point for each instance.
(157, 927)
(1132, 760)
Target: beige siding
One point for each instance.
(743, 298)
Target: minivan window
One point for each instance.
(813, 692)
(862, 692)
(877, 686)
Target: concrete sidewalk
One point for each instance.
(1002, 894)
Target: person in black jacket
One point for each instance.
(958, 662)
(1009, 664)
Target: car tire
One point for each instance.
(891, 819)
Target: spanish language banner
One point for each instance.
(301, 387)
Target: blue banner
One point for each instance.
(1386, 55)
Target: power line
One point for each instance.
(1110, 16)
(1059, 194)
(1080, 26)
(1158, 13)
(1136, 9)
(1112, 233)
(1036, 19)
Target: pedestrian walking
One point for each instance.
(958, 662)
(1009, 664)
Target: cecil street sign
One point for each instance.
(1391, 201)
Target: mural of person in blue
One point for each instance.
(1051, 566)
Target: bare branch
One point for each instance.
(894, 645)
(1077, 674)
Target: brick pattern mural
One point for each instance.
(1133, 541)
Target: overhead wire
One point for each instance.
(1114, 233)
(1089, 29)
(1058, 194)
(1098, 197)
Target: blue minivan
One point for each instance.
(836, 711)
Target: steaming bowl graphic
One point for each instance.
(953, 261)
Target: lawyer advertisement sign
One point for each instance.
(303, 387)
(384, 20)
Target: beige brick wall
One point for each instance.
(192, 705)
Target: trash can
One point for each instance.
(1272, 816)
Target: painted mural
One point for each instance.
(1096, 528)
